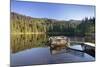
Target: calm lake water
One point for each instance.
(32, 50)
(27, 41)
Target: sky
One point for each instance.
(53, 11)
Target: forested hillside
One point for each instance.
(21, 24)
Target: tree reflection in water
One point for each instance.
(26, 41)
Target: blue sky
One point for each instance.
(53, 11)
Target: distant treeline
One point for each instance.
(21, 24)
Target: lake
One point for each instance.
(29, 49)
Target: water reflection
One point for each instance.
(23, 55)
(20, 42)
(36, 56)
(27, 41)
(75, 50)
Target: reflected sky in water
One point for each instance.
(43, 56)
(29, 49)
